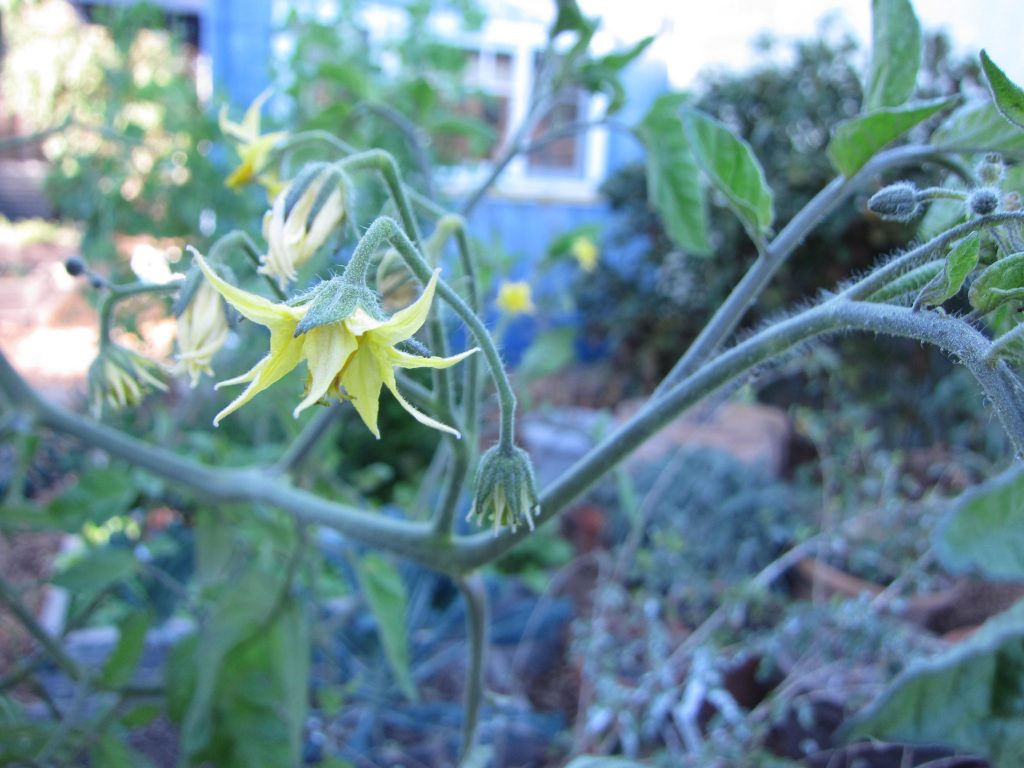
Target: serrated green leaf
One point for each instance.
(855, 141)
(999, 283)
(895, 54)
(120, 665)
(733, 168)
(549, 353)
(983, 531)
(959, 263)
(96, 570)
(970, 697)
(1007, 95)
(673, 179)
(979, 127)
(384, 591)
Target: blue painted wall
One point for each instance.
(236, 35)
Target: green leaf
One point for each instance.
(961, 261)
(970, 697)
(895, 54)
(95, 571)
(733, 168)
(569, 19)
(984, 529)
(1007, 95)
(673, 180)
(99, 495)
(120, 665)
(257, 708)
(979, 127)
(999, 283)
(384, 591)
(855, 141)
(942, 214)
(112, 752)
(908, 283)
(549, 353)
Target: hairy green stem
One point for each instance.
(251, 484)
(118, 293)
(474, 592)
(951, 335)
(419, 267)
(879, 278)
(746, 291)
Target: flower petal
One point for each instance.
(251, 306)
(270, 369)
(405, 360)
(362, 380)
(327, 348)
(389, 381)
(251, 121)
(404, 323)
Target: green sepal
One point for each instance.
(333, 300)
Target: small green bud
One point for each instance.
(896, 202)
(74, 266)
(991, 169)
(983, 201)
(506, 491)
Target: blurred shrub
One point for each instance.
(136, 155)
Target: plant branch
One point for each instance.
(474, 592)
(746, 291)
(953, 336)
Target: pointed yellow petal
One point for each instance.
(404, 323)
(271, 369)
(405, 360)
(327, 349)
(229, 128)
(245, 378)
(253, 307)
(251, 121)
(422, 418)
(360, 321)
(362, 381)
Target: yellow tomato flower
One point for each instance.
(252, 148)
(293, 236)
(584, 250)
(515, 298)
(351, 359)
(202, 331)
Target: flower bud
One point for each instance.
(202, 326)
(506, 492)
(585, 251)
(991, 169)
(74, 266)
(983, 201)
(896, 202)
(121, 378)
(301, 219)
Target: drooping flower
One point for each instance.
(253, 148)
(351, 358)
(584, 250)
(506, 491)
(121, 378)
(202, 330)
(301, 219)
(515, 298)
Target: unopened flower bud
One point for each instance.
(301, 219)
(515, 298)
(506, 492)
(983, 201)
(1012, 201)
(74, 266)
(896, 202)
(991, 169)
